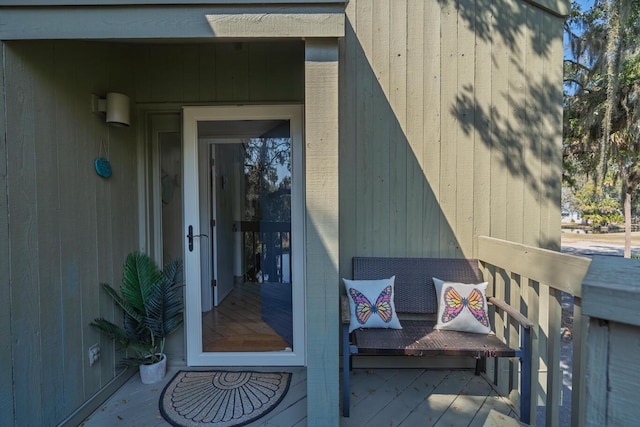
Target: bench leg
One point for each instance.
(481, 365)
(525, 376)
(346, 370)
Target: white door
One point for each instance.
(222, 219)
(217, 210)
(224, 165)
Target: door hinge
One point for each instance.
(213, 223)
(213, 283)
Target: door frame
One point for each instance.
(192, 269)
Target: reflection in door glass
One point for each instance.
(171, 195)
(267, 209)
(251, 246)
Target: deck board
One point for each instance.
(397, 410)
(466, 405)
(492, 402)
(372, 392)
(429, 411)
(380, 397)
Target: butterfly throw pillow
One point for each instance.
(371, 304)
(462, 307)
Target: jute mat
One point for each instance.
(221, 398)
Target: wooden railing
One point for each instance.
(611, 292)
(267, 249)
(532, 280)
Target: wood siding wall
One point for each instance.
(68, 229)
(450, 127)
(219, 73)
(6, 359)
(322, 239)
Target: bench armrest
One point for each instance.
(515, 314)
(345, 312)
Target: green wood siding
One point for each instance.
(6, 365)
(56, 206)
(69, 229)
(450, 127)
(321, 234)
(251, 72)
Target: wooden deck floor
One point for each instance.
(380, 397)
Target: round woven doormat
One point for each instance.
(221, 398)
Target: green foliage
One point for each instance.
(601, 83)
(152, 305)
(598, 207)
(602, 104)
(267, 167)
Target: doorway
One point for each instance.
(243, 216)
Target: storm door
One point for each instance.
(243, 214)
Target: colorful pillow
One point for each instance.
(371, 304)
(462, 307)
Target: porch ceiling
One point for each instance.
(279, 24)
(111, 20)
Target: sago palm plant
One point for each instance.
(152, 304)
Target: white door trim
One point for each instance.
(193, 315)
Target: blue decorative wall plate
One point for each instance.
(103, 167)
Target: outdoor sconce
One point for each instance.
(115, 106)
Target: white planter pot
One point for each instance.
(155, 372)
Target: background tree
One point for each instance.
(602, 97)
(267, 170)
(600, 205)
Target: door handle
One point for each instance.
(190, 237)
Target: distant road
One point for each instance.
(599, 244)
(611, 238)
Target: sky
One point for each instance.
(584, 6)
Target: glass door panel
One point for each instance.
(248, 193)
(247, 198)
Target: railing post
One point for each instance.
(525, 375)
(514, 298)
(578, 389)
(533, 313)
(554, 375)
(597, 395)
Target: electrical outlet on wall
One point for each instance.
(94, 354)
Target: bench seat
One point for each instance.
(415, 300)
(418, 338)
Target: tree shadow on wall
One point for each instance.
(506, 20)
(521, 123)
(520, 150)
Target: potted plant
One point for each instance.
(151, 300)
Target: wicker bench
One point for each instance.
(416, 304)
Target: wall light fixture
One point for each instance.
(115, 107)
